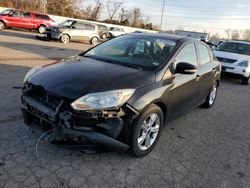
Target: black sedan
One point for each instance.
(122, 92)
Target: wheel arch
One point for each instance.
(3, 22)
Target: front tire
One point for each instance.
(42, 29)
(94, 41)
(104, 36)
(65, 39)
(2, 25)
(211, 96)
(245, 80)
(146, 131)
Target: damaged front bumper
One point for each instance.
(108, 128)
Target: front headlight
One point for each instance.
(103, 100)
(244, 64)
(31, 72)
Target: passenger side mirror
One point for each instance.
(185, 68)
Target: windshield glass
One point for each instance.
(7, 11)
(235, 47)
(67, 23)
(136, 51)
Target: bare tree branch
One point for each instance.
(113, 7)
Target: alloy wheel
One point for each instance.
(94, 41)
(41, 29)
(2, 26)
(65, 39)
(149, 131)
(212, 95)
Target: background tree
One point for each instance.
(113, 7)
(235, 35)
(135, 17)
(215, 37)
(246, 35)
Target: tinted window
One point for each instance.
(187, 55)
(204, 54)
(41, 17)
(145, 52)
(26, 15)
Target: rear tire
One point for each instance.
(94, 41)
(2, 25)
(146, 131)
(65, 39)
(104, 36)
(211, 96)
(245, 80)
(42, 29)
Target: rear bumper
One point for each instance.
(107, 131)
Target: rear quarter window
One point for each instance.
(41, 17)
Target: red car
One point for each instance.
(25, 20)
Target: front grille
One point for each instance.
(43, 96)
(226, 60)
(226, 67)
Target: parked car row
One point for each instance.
(69, 30)
(75, 30)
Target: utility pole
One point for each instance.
(162, 12)
(44, 2)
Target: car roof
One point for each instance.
(27, 11)
(165, 36)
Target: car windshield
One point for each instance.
(67, 23)
(235, 47)
(134, 51)
(7, 11)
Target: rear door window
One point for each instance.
(89, 27)
(26, 15)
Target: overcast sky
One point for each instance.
(211, 15)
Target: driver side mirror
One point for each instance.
(185, 68)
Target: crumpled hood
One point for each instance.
(233, 56)
(77, 76)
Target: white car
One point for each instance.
(235, 59)
(116, 31)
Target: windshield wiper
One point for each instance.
(131, 66)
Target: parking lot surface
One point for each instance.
(204, 148)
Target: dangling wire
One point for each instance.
(39, 139)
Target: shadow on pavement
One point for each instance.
(49, 52)
(21, 34)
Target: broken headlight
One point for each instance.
(103, 100)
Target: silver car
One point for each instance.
(72, 30)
